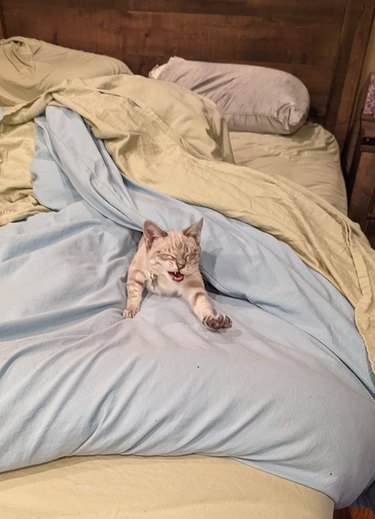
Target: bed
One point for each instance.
(157, 416)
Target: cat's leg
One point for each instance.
(134, 290)
(197, 296)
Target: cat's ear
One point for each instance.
(194, 231)
(151, 232)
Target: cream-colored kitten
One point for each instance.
(167, 263)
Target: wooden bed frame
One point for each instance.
(323, 42)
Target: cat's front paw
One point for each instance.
(129, 313)
(217, 322)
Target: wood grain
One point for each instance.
(361, 181)
(364, 187)
(354, 513)
(354, 40)
(2, 21)
(322, 41)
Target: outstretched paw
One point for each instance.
(217, 322)
(129, 313)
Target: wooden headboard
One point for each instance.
(323, 42)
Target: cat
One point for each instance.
(167, 263)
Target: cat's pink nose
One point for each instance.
(180, 265)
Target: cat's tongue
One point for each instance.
(176, 276)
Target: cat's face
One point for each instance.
(174, 255)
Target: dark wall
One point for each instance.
(323, 42)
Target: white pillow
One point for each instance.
(250, 98)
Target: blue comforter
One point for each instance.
(288, 389)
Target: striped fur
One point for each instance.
(167, 263)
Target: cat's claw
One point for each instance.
(217, 322)
(129, 313)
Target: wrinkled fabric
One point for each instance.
(134, 116)
(244, 94)
(16, 152)
(310, 158)
(287, 389)
(29, 67)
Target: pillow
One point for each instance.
(29, 67)
(250, 98)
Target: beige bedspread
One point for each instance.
(310, 158)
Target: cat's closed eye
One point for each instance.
(166, 257)
(191, 256)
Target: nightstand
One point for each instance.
(362, 199)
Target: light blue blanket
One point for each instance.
(288, 389)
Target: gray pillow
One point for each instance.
(250, 98)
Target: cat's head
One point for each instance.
(173, 254)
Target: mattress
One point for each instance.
(310, 157)
(190, 487)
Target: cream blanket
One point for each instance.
(174, 142)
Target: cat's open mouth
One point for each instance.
(176, 276)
